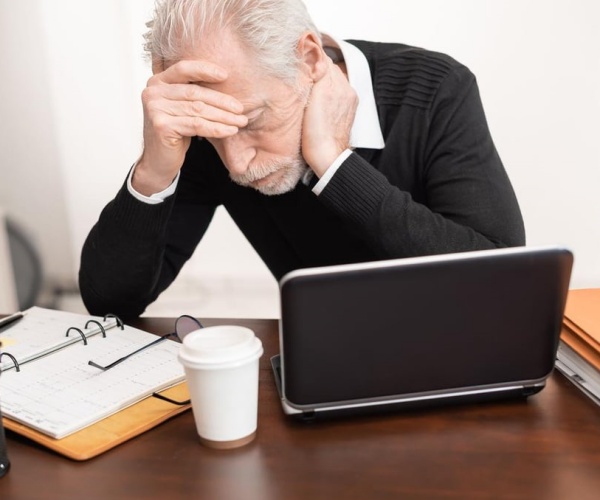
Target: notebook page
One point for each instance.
(60, 394)
(44, 330)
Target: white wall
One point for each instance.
(71, 118)
(31, 183)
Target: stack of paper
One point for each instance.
(578, 355)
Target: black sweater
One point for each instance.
(438, 186)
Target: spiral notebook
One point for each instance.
(55, 384)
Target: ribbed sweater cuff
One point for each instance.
(138, 218)
(356, 190)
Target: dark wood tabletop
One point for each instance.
(545, 448)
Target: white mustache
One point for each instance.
(291, 171)
(260, 171)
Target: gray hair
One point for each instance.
(271, 29)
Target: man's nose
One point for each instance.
(237, 153)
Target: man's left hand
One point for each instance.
(328, 119)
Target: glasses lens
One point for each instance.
(186, 324)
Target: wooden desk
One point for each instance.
(546, 448)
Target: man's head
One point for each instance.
(270, 29)
(268, 48)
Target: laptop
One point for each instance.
(423, 331)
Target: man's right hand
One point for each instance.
(176, 108)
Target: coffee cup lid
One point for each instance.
(217, 345)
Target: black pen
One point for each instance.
(11, 319)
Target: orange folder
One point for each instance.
(582, 316)
(581, 324)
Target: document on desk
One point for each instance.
(578, 356)
(58, 392)
(42, 331)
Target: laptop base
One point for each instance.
(404, 405)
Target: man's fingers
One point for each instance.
(201, 109)
(189, 92)
(190, 71)
(192, 126)
(177, 104)
(193, 101)
(196, 109)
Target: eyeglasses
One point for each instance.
(183, 325)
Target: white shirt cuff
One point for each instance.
(323, 181)
(155, 198)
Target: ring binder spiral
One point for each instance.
(84, 338)
(43, 331)
(119, 322)
(99, 325)
(58, 394)
(12, 358)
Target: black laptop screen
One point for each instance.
(437, 325)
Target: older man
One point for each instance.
(322, 151)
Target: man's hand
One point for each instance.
(328, 119)
(176, 108)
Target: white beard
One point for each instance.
(292, 170)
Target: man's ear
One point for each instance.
(313, 60)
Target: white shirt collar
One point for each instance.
(366, 131)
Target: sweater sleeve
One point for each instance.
(466, 201)
(136, 250)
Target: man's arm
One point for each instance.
(467, 201)
(136, 249)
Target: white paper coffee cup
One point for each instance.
(221, 369)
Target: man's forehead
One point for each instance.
(225, 49)
(245, 79)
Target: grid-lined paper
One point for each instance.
(42, 331)
(61, 393)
